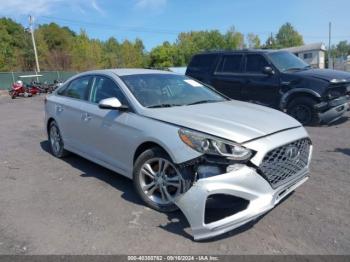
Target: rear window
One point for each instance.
(201, 63)
(230, 64)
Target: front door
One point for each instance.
(258, 86)
(106, 131)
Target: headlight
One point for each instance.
(333, 94)
(213, 146)
(335, 81)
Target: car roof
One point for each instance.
(130, 71)
(220, 52)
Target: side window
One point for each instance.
(103, 87)
(230, 64)
(78, 88)
(307, 55)
(201, 63)
(255, 63)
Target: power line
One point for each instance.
(139, 29)
(113, 27)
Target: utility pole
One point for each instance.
(31, 28)
(330, 63)
(271, 38)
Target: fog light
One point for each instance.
(235, 167)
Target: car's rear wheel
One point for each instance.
(303, 110)
(56, 141)
(157, 180)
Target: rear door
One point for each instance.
(201, 66)
(227, 77)
(259, 87)
(68, 111)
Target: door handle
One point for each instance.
(59, 108)
(86, 117)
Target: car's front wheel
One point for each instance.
(157, 180)
(303, 110)
(56, 141)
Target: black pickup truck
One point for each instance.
(276, 79)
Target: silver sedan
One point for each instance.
(221, 162)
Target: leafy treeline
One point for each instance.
(60, 48)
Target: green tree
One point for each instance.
(86, 53)
(189, 43)
(287, 36)
(342, 49)
(270, 43)
(14, 46)
(111, 53)
(233, 39)
(131, 54)
(54, 46)
(253, 41)
(163, 56)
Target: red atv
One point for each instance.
(19, 89)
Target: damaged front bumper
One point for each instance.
(244, 183)
(332, 110)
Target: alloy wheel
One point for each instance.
(160, 181)
(55, 139)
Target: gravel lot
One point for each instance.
(72, 206)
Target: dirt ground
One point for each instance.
(72, 206)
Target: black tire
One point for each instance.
(141, 160)
(60, 152)
(12, 94)
(303, 110)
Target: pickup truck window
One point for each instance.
(286, 61)
(201, 63)
(255, 63)
(230, 64)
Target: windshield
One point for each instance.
(167, 90)
(286, 61)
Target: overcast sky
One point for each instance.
(155, 21)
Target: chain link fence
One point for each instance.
(8, 78)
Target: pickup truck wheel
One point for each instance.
(157, 180)
(303, 110)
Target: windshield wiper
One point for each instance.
(163, 105)
(298, 68)
(294, 69)
(202, 102)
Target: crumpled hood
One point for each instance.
(324, 74)
(233, 120)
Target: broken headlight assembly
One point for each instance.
(213, 146)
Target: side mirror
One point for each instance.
(112, 103)
(268, 70)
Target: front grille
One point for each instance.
(283, 163)
(337, 90)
